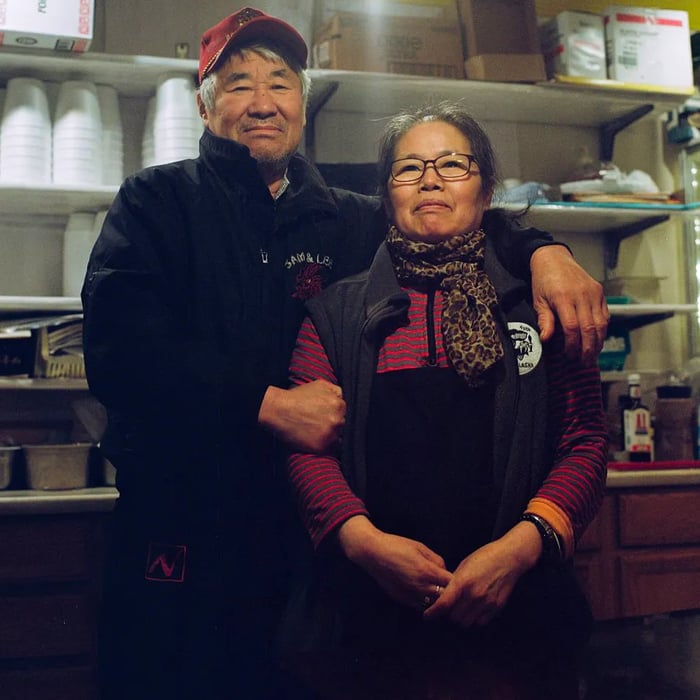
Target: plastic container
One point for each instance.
(57, 467)
(674, 428)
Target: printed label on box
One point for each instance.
(61, 25)
(648, 46)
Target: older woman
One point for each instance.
(473, 457)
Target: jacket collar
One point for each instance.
(307, 190)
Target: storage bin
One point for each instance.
(57, 467)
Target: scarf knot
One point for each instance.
(456, 266)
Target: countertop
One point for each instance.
(659, 473)
(667, 476)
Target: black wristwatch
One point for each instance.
(552, 549)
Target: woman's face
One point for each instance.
(434, 209)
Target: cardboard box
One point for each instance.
(648, 46)
(505, 67)
(60, 25)
(501, 40)
(573, 43)
(445, 10)
(406, 45)
(173, 28)
(498, 26)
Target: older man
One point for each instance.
(193, 297)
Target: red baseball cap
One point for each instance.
(246, 25)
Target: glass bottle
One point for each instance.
(636, 423)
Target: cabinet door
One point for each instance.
(49, 625)
(659, 581)
(600, 591)
(75, 683)
(36, 548)
(595, 565)
(661, 518)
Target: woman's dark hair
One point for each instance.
(449, 112)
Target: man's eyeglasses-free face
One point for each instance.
(449, 167)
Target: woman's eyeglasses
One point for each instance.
(449, 167)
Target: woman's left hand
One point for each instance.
(483, 581)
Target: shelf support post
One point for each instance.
(316, 103)
(614, 236)
(610, 129)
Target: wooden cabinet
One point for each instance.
(641, 555)
(50, 570)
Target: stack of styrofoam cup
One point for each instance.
(78, 239)
(77, 135)
(148, 149)
(177, 126)
(25, 133)
(112, 135)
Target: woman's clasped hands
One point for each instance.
(414, 575)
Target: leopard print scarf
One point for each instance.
(456, 266)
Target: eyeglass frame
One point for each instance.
(471, 159)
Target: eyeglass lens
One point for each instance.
(449, 167)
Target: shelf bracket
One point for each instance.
(317, 101)
(610, 129)
(614, 236)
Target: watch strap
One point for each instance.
(552, 549)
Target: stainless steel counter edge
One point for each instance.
(653, 477)
(30, 502)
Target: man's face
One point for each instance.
(259, 104)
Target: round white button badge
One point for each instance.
(527, 345)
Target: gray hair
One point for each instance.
(270, 52)
(449, 112)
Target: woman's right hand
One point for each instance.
(407, 570)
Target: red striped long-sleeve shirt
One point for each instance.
(570, 495)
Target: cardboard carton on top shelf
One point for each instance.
(501, 40)
(407, 45)
(60, 25)
(648, 46)
(445, 10)
(573, 43)
(173, 28)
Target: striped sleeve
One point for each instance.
(323, 496)
(573, 491)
